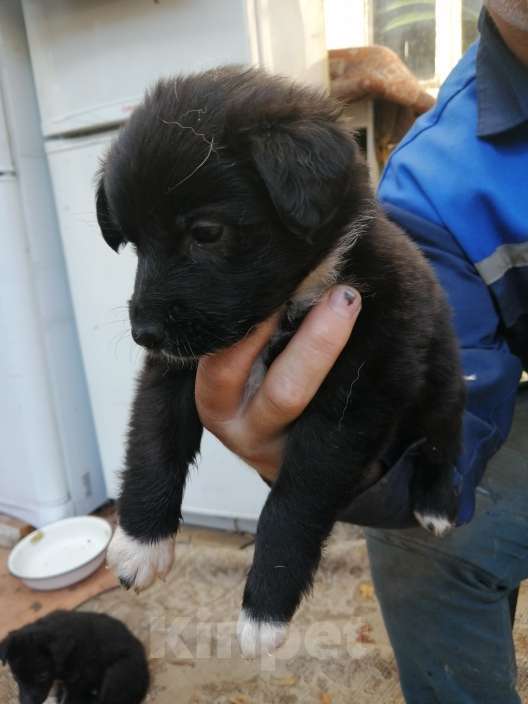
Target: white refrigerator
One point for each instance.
(92, 61)
(49, 465)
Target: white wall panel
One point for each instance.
(93, 59)
(33, 484)
(55, 326)
(6, 160)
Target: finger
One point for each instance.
(221, 378)
(295, 376)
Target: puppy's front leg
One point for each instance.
(295, 521)
(323, 468)
(163, 440)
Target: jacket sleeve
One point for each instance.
(492, 375)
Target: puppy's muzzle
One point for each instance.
(149, 335)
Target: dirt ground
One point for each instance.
(337, 651)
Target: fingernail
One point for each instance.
(344, 300)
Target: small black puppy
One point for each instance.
(244, 194)
(94, 658)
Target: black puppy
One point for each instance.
(244, 194)
(94, 658)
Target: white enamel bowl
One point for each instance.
(61, 553)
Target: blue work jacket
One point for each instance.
(458, 185)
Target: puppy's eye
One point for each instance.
(207, 232)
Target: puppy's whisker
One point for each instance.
(121, 334)
(134, 353)
(119, 339)
(212, 334)
(121, 321)
(167, 365)
(185, 346)
(189, 348)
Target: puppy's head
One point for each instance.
(232, 186)
(28, 655)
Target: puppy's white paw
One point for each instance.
(434, 523)
(53, 699)
(57, 694)
(138, 564)
(259, 637)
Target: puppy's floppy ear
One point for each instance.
(111, 233)
(306, 167)
(4, 647)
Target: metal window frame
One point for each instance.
(448, 33)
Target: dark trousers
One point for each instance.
(445, 602)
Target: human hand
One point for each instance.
(256, 428)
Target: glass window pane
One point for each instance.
(470, 14)
(408, 28)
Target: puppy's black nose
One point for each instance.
(149, 335)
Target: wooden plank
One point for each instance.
(21, 605)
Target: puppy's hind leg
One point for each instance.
(74, 698)
(434, 495)
(125, 682)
